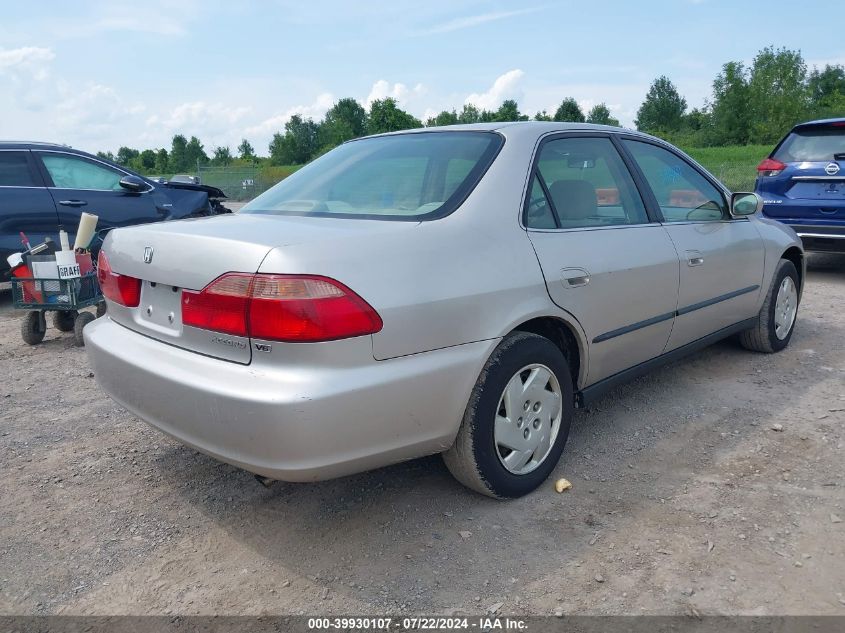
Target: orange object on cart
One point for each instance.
(86, 266)
(28, 288)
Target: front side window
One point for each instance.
(400, 177)
(72, 172)
(582, 182)
(683, 194)
(14, 170)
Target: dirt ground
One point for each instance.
(714, 485)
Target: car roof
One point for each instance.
(38, 145)
(527, 128)
(820, 122)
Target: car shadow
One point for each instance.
(403, 534)
(826, 266)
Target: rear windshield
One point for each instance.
(812, 144)
(403, 177)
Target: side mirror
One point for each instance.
(133, 183)
(743, 204)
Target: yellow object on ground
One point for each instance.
(563, 484)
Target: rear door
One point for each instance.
(78, 183)
(604, 260)
(721, 258)
(25, 205)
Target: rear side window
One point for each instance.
(582, 182)
(72, 172)
(812, 144)
(14, 170)
(400, 177)
(683, 193)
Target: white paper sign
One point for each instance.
(68, 267)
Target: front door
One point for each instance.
(722, 258)
(81, 184)
(604, 261)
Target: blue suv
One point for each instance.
(802, 184)
(44, 187)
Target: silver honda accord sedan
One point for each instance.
(456, 290)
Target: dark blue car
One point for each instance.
(44, 187)
(802, 184)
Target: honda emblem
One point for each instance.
(148, 255)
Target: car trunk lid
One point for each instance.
(189, 254)
(171, 257)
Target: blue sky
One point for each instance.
(99, 74)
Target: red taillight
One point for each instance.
(221, 306)
(121, 289)
(770, 167)
(291, 308)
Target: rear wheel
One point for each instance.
(776, 320)
(63, 320)
(33, 327)
(82, 320)
(517, 420)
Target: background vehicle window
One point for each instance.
(589, 184)
(812, 144)
(70, 172)
(684, 195)
(14, 170)
(405, 176)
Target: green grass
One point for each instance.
(734, 165)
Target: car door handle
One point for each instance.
(694, 258)
(73, 203)
(574, 277)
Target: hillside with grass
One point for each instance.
(734, 165)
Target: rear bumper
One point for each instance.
(822, 235)
(290, 423)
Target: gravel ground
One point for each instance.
(714, 485)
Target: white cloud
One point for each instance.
(506, 86)
(474, 20)
(25, 72)
(276, 123)
(398, 91)
(200, 113)
(25, 59)
(213, 123)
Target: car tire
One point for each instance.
(777, 317)
(82, 320)
(101, 308)
(33, 327)
(63, 320)
(481, 457)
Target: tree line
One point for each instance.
(754, 103)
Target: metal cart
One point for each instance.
(63, 297)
